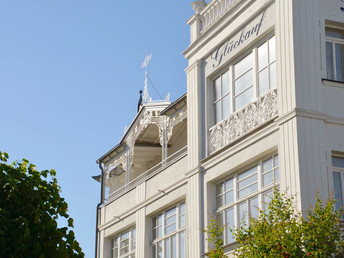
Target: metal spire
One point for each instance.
(146, 97)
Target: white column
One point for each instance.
(142, 245)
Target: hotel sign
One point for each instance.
(242, 38)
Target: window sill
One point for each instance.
(333, 83)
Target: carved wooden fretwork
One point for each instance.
(243, 121)
(174, 121)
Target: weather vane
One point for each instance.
(146, 97)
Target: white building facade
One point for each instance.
(264, 107)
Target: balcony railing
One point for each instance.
(148, 174)
(243, 121)
(214, 10)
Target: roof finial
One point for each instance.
(146, 97)
(140, 101)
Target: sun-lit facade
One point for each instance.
(264, 107)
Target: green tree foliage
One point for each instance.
(215, 232)
(281, 231)
(30, 204)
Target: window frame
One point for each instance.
(132, 247)
(255, 79)
(177, 233)
(333, 41)
(339, 170)
(261, 193)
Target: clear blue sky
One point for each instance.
(70, 72)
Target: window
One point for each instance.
(338, 174)
(240, 197)
(243, 81)
(123, 245)
(335, 54)
(169, 233)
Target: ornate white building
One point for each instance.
(264, 107)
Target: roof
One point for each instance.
(174, 104)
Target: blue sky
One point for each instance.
(70, 72)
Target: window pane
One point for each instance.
(229, 197)
(226, 102)
(263, 81)
(168, 248)
(174, 246)
(339, 62)
(243, 66)
(170, 220)
(133, 240)
(248, 181)
(276, 161)
(248, 172)
(244, 98)
(337, 190)
(329, 61)
(243, 212)
(218, 88)
(338, 162)
(268, 178)
(273, 76)
(272, 49)
(225, 83)
(262, 56)
(243, 82)
(276, 174)
(182, 221)
(171, 212)
(157, 233)
(115, 252)
(218, 113)
(219, 188)
(182, 209)
(229, 214)
(254, 208)
(170, 228)
(124, 250)
(229, 184)
(182, 245)
(267, 165)
(334, 33)
(159, 250)
(219, 201)
(248, 190)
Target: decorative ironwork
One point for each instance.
(243, 121)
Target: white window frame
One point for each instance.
(333, 41)
(177, 233)
(131, 245)
(255, 71)
(339, 170)
(261, 193)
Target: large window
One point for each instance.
(338, 179)
(240, 197)
(243, 81)
(335, 54)
(169, 233)
(123, 245)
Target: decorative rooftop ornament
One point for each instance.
(146, 97)
(198, 6)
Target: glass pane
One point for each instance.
(339, 62)
(334, 33)
(248, 190)
(219, 201)
(170, 220)
(159, 250)
(263, 81)
(170, 228)
(272, 49)
(229, 184)
(158, 232)
(171, 212)
(338, 162)
(124, 250)
(133, 239)
(168, 248)
(268, 178)
(267, 165)
(243, 66)
(247, 181)
(229, 197)
(329, 61)
(226, 103)
(243, 99)
(182, 245)
(276, 174)
(229, 225)
(219, 188)
(247, 172)
(115, 252)
(182, 221)
(337, 190)
(276, 161)
(225, 83)
(273, 76)
(254, 208)
(218, 88)
(174, 246)
(243, 82)
(157, 220)
(218, 113)
(243, 212)
(262, 56)
(125, 236)
(182, 208)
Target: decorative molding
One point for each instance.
(173, 122)
(243, 121)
